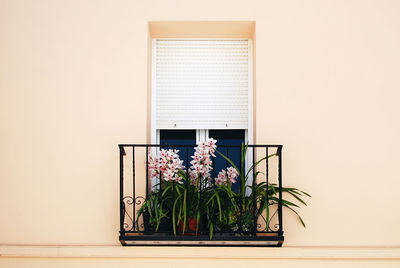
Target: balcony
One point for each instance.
(237, 202)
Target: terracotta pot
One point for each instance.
(191, 226)
(266, 234)
(133, 234)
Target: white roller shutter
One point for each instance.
(201, 84)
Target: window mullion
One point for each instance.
(201, 135)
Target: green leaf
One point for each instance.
(297, 197)
(184, 212)
(230, 161)
(149, 208)
(219, 206)
(173, 215)
(166, 190)
(301, 220)
(267, 216)
(177, 190)
(258, 162)
(179, 213)
(156, 208)
(284, 202)
(244, 150)
(197, 222)
(305, 193)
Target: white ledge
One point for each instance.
(382, 253)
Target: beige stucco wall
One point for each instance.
(74, 84)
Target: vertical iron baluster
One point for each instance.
(241, 190)
(212, 180)
(267, 182)
(121, 190)
(188, 183)
(200, 226)
(160, 176)
(280, 232)
(227, 155)
(133, 189)
(227, 211)
(187, 165)
(214, 171)
(254, 194)
(147, 172)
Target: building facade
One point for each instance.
(76, 81)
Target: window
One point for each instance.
(201, 85)
(180, 137)
(201, 88)
(188, 137)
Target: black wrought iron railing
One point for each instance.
(238, 202)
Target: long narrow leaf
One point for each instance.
(284, 202)
(149, 208)
(166, 190)
(211, 230)
(197, 221)
(219, 206)
(298, 198)
(173, 215)
(305, 193)
(184, 212)
(301, 220)
(258, 162)
(230, 161)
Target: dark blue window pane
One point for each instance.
(227, 137)
(180, 137)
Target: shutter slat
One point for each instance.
(201, 84)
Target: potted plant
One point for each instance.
(246, 209)
(191, 202)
